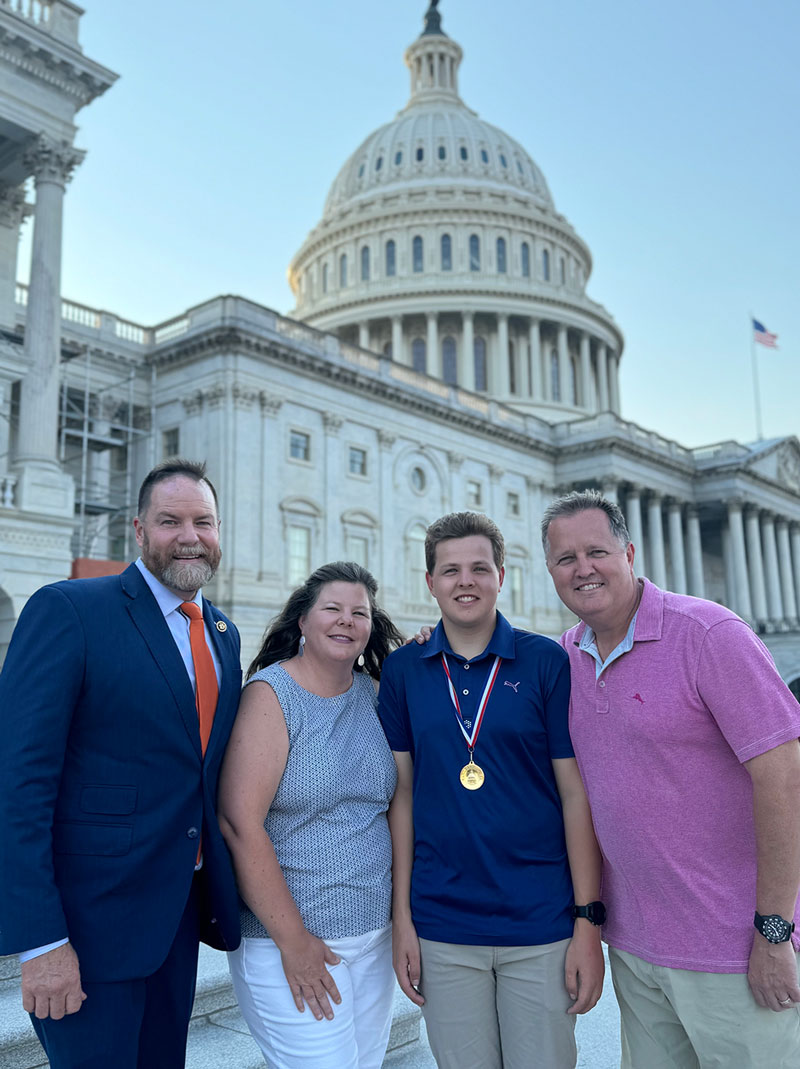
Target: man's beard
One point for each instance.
(184, 575)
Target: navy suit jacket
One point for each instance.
(103, 788)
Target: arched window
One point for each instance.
(324, 278)
(415, 566)
(463, 152)
(419, 360)
(365, 263)
(501, 256)
(555, 377)
(474, 252)
(479, 354)
(379, 163)
(512, 369)
(447, 253)
(343, 270)
(526, 260)
(416, 253)
(546, 265)
(442, 152)
(449, 362)
(390, 259)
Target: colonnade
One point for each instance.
(759, 576)
(526, 359)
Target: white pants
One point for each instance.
(357, 1036)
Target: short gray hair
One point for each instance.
(579, 501)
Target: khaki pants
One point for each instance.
(679, 1019)
(497, 1007)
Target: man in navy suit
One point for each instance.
(113, 866)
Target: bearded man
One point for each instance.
(117, 698)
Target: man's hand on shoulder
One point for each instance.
(51, 983)
(772, 974)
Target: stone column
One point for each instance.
(787, 579)
(363, 334)
(502, 384)
(676, 554)
(771, 574)
(697, 586)
(613, 383)
(468, 351)
(609, 490)
(547, 377)
(333, 547)
(655, 529)
(740, 595)
(270, 563)
(52, 165)
(397, 340)
(390, 566)
(434, 356)
(535, 348)
(454, 489)
(602, 377)
(586, 373)
(564, 377)
(758, 591)
(633, 516)
(795, 540)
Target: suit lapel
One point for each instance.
(149, 621)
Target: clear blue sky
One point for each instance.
(668, 133)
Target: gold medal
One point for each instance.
(472, 776)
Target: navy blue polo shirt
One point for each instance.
(490, 866)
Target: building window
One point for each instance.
(420, 155)
(418, 592)
(526, 260)
(299, 551)
(358, 550)
(555, 375)
(512, 503)
(416, 253)
(418, 480)
(379, 163)
(474, 494)
(361, 171)
(463, 152)
(474, 252)
(449, 362)
(391, 263)
(170, 442)
(387, 350)
(398, 158)
(512, 369)
(357, 460)
(447, 253)
(442, 152)
(365, 263)
(419, 360)
(299, 445)
(515, 585)
(573, 382)
(562, 267)
(324, 278)
(479, 352)
(343, 270)
(501, 256)
(484, 156)
(546, 265)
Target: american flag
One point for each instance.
(763, 336)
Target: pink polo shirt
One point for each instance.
(660, 738)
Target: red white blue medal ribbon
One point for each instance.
(471, 737)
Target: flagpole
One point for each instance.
(756, 393)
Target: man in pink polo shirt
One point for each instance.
(687, 741)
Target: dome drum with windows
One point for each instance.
(440, 247)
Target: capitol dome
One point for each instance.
(440, 247)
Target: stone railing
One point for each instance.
(93, 319)
(8, 485)
(59, 17)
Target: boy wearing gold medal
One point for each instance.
(496, 868)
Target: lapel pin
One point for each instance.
(221, 625)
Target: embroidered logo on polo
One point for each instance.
(638, 698)
(513, 686)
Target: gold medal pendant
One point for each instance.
(472, 776)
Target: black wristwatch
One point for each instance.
(774, 928)
(595, 913)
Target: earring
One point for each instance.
(360, 662)
(301, 645)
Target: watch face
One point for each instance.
(775, 929)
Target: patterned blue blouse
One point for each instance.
(327, 821)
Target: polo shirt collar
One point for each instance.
(501, 644)
(649, 617)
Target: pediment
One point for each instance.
(780, 463)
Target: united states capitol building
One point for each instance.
(443, 353)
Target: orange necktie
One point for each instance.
(206, 689)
